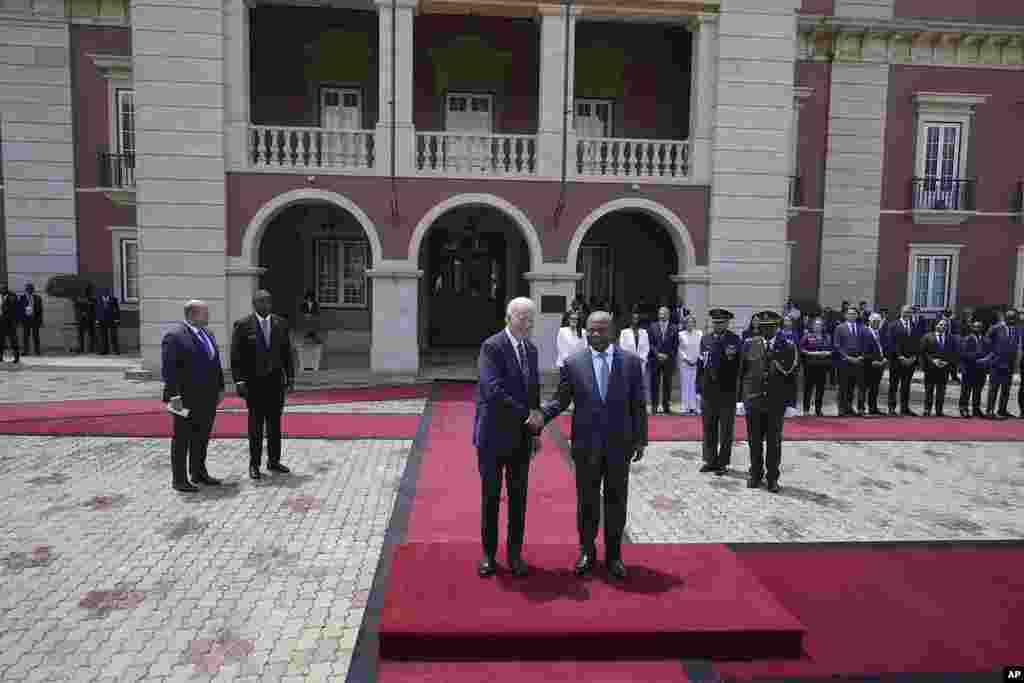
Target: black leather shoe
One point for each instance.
(773, 486)
(486, 567)
(254, 473)
(818, 412)
(518, 566)
(753, 483)
(185, 488)
(874, 411)
(927, 413)
(722, 470)
(908, 413)
(278, 467)
(617, 569)
(940, 413)
(584, 564)
(708, 467)
(206, 479)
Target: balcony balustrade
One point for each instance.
(311, 148)
(632, 159)
(116, 170)
(942, 194)
(476, 154)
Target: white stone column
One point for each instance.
(692, 287)
(703, 77)
(554, 100)
(180, 180)
(405, 134)
(39, 219)
(750, 155)
(394, 346)
(550, 281)
(242, 282)
(236, 83)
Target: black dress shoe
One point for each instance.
(278, 467)
(584, 564)
(818, 412)
(206, 479)
(254, 473)
(927, 413)
(486, 567)
(908, 413)
(668, 411)
(874, 411)
(939, 413)
(617, 569)
(722, 470)
(185, 488)
(753, 483)
(773, 486)
(708, 467)
(518, 566)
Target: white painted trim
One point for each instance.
(948, 101)
(685, 252)
(478, 199)
(790, 244)
(258, 225)
(112, 66)
(919, 249)
(117, 234)
(1018, 290)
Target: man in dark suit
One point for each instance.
(848, 343)
(904, 351)
(108, 319)
(972, 350)
(1003, 344)
(85, 317)
(766, 364)
(30, 311)
(664, 338)
(505, 426)
(262, 365)
(719, 362)
(876, 358)
(9, 323)
(938, 354)
(609, 430)
(193, 381)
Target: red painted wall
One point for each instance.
(247, 193)
(818, 7)
(979, 11)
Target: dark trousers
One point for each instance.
(30, 333)
(900, 377)
(869, 388)
(815, 377)
(970, 390)
(718, 410)
(9, 333)
(86, 329)
(935, 389)
(1020, 396)
(764, 434)
(188, 444)
(108, 338)
(591, 473)
(265, 400)
(1002, 390)
(851, 376)
(661, 383)
(515, 472)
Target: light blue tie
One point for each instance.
(602, 375)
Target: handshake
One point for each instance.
(536, 423)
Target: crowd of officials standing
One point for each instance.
(97, 319)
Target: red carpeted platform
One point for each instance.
(679, 601)
(226, 426)
(689, 428)
(561, 671)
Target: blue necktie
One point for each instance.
(602, 375)
(206, 342)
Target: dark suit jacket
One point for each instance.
(870, 349)
(901, 343)
(187, 370)
(971, 350)
(668, 344)
(504, 400)
(846, 343)
(9, 309)
(930, 350)
(614, 428)
(108, 312)
(36, 320)
(251, 358)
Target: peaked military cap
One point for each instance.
(720, 315)
(768, 318)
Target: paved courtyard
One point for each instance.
(108, 574)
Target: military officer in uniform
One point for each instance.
(767, 361)
(717, 367)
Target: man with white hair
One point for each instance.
(193, 388)
(505, 429)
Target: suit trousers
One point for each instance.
(514, 470)
(868, 396)
(935, 388)
(815, 377)
(108, 338)
(1002, 390)
(719, 412)
(661, 383)
(30, 332)
(592, 471)
(851, 377)
(900, 378)
(86, 329)
(189, 442)
(764, 434)
(9, 333)
(265, 401)
(971, 384)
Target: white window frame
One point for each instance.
(118, 236)
(609, 125)
(341, 91)
(117, 71)
(120, 94)
(470, 96)
(925, 250)
(341, 245)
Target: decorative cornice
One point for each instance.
(112, 66)
(832, 39)
(943, 99)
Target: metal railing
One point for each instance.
(796, 191)
(942, 194)
(116, 170)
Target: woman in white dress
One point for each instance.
(634, 340)
(689, 353)
(570, 338)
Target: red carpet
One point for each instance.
(679, 601)
(564, 671)
(689, 428)
(226, 426)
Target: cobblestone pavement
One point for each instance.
(57, 385)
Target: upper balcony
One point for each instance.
(476, 92)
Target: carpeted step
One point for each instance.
(678, 601)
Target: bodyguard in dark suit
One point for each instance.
(972, 351)
(1001, 361)
(904, 350)
(191, 369)
(766, 363)
(664, 338)
(609, 430)
(263, 368)
(848, 345)
(108, 319)
(718, 367)
(876, 359)
(30, 312)
(507, 420)
(938, 354)
(85, 318)
(9, 322)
